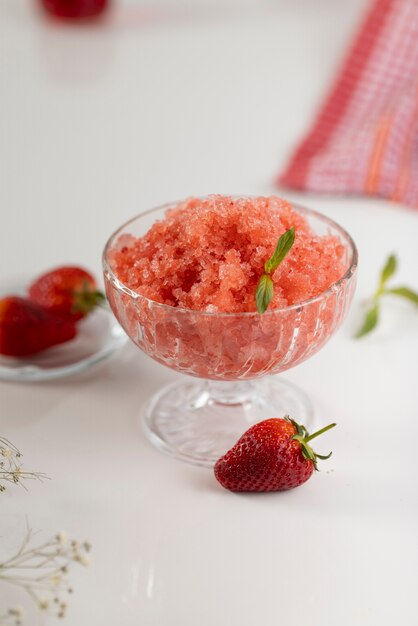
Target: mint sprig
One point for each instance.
(265, 287)
(404, 292)
(372, 315)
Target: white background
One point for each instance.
(162, 101)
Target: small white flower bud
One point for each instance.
(62, 537)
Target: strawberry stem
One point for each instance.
(319, 432)
(87, 299)
(303, 437)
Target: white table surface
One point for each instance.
(163, 101)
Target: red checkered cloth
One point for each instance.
(365, 139)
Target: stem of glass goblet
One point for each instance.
(231, 393)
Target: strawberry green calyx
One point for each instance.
(87, 299)
(303, 437)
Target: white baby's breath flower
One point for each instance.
(17, 474)
(62, 537)
(41, 570)
(82, 559)
(43, 604)
(55, 579)
(11, 466)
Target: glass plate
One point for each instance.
(98, 337)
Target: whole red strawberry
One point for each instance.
(26, 328)
(75, 8)
(68, 291)
(273, 455)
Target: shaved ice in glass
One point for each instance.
(181, 280)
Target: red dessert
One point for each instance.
(185, 290)
(208, 255)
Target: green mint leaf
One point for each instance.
(370, 321)
(265, 288)
(404, 292)
(388, 270)
(264, 293)
(283, 246)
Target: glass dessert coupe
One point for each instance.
(229, 358)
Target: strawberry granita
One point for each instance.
(208, 254)
(182, 283)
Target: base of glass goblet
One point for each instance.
(198, 421)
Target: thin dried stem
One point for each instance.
(11, 467)
(42, 572)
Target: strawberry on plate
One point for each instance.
(68, 291)
(26, 328)
(272, 455)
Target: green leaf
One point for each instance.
(370, 321)
(264, 293)
(307, 452)
(388, 270)
(284, 244)
(323, 457)
(299, 427)
(404, 292)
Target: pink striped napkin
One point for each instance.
(365, 139)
